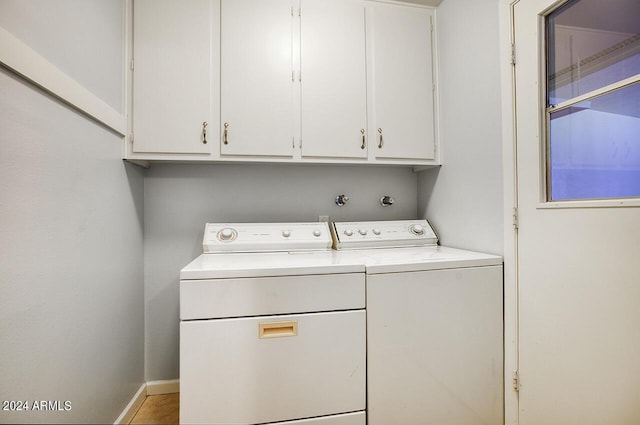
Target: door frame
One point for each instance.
(510, 204)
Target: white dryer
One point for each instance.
(434, 325)
(272, 328)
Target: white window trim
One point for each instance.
(594, 93)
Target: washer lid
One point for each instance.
(382, 234)
(261, 237)
(412, 259)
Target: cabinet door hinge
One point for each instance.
(131, 138)
(516, 380)
(131, 64)
(513, 53)
(515, 217)
(291, 10)
(431, 22)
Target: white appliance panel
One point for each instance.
(219, 298)
(382, 234)
(258, 237)
(434, 347)
(233, 376)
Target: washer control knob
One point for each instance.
(376, 232)
(348, 232)
(286, 233)
(317, 232)
(417, 229)
(362, 231)
(226, 234)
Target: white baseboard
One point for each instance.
(169, 386)
(133, 406)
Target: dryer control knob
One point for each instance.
(317, 233)
(417, 229)
(226, 234)
(286, 233)
(376, 232)
(362, 231)
(348, 232)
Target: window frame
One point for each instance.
(547, 109)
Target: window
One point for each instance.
(593, 100)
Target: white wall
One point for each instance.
(71, 251)
(180, 199)
(463, 199)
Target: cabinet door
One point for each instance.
(333, 78)
(257, 79)
(401, 81)
(173, 74)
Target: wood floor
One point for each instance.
(158, 409)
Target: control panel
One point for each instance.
(382, 234)
(258, 237)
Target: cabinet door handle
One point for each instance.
(380, 143)
(226, 132)
(363, 139)
(204, 132)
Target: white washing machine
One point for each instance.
(272, 328)
(434, 325)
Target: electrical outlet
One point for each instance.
(324, 218)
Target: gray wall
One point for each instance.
(85, 39)
(180, 199)
(71, 251)
(463, 199)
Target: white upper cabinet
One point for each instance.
(257, 78)
(333, 79)
(327, 81)
(401, 81)
(174, 77)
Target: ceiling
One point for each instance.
(619, 16)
